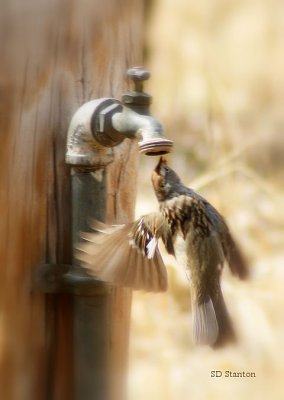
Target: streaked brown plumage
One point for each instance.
(190, 227)
(123, 255)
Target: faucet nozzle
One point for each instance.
(155, 147)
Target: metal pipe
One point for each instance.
(90, 311)
(91, 297)
(95, 128)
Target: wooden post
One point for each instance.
(55, 56)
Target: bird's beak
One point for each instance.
(157, 176)
(162, 161)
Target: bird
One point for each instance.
(193, 231)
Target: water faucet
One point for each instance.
(101, 124)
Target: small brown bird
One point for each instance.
(193, 231)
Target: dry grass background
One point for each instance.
(218, 85)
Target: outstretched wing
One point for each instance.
(125, 255)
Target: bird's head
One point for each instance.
(165, 181)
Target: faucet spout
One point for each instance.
(145, 128)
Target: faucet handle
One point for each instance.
(138, 75)
(137, 97)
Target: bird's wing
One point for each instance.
(233, 254)
(125, 255)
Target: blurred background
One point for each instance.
(218, 87)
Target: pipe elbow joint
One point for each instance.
(86, 124)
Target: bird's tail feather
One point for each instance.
(205, 329)
(212, 324)
(226, 329)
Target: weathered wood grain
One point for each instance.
(55, 55)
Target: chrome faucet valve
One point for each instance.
(104, 123)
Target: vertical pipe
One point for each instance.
(90, 311)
